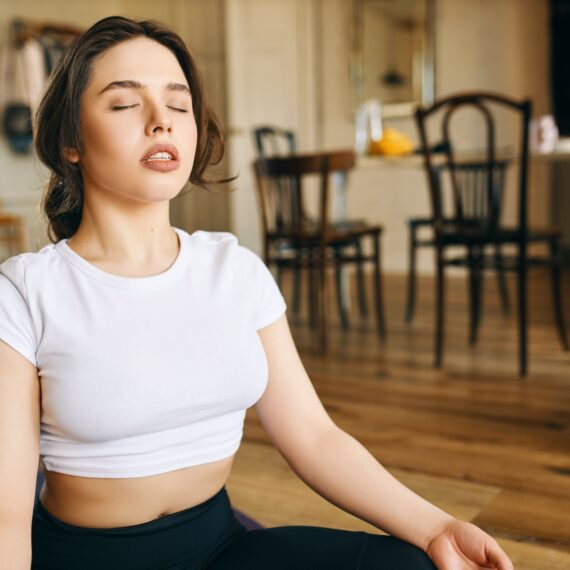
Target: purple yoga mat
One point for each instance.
(246, 521)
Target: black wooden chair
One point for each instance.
(272, 141)
(318, 244)
(471, 178)
(476, 230)
(12, 235)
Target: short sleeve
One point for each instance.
(268, 303)
(16, 327)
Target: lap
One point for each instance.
(315, 548)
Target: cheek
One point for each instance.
(190, 139)
(192, 135)
(106, 138)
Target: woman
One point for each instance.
(150, 344)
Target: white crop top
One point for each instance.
(141, 375)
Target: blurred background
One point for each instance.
(292, 63)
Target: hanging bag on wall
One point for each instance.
(17, 114)
(17, 122)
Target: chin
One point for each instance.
(159, 191)
(154, 197)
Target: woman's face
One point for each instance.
(137, 97)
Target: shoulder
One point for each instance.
(224, 247)
(241, 273)
(212, 241)
(20, 269)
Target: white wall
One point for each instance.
(271, 78)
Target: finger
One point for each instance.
(497, 556)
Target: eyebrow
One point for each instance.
(131, 84)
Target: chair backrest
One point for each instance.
(476, 185)
(281, 192)
(470, 190)
(274, 141)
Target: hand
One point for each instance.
(464, 546)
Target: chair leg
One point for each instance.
(439, 307)
(522, 299)
(556, 293)
(362, 304)
(322, 290)
(472, 292)
(340, 293)
(411, 302)
(475, 296)
(380, 322)
(296, 289)
(313, 290)
(501, 281)
(480, 288)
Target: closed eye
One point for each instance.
(122, 108)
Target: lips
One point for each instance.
(170, 148)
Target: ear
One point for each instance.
(71, 154)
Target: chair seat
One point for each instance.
(505, 262)
(428, 221)
(337, 233)
(341, 234)
(453, 236)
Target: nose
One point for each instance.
(159, 120)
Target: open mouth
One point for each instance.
(160, 156)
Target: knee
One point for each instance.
(391, 553)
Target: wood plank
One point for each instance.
(527, 516)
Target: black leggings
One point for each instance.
(208, 536)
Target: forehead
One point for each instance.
(140, 59)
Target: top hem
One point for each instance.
(141, 472)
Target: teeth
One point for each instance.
(161, 156)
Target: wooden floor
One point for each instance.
(473, 438)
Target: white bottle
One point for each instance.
(368, 125)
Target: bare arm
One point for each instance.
(341, 470)
(19, 451)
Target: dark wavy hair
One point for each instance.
(57, 120)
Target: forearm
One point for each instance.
(341, 470)
(15, 547)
